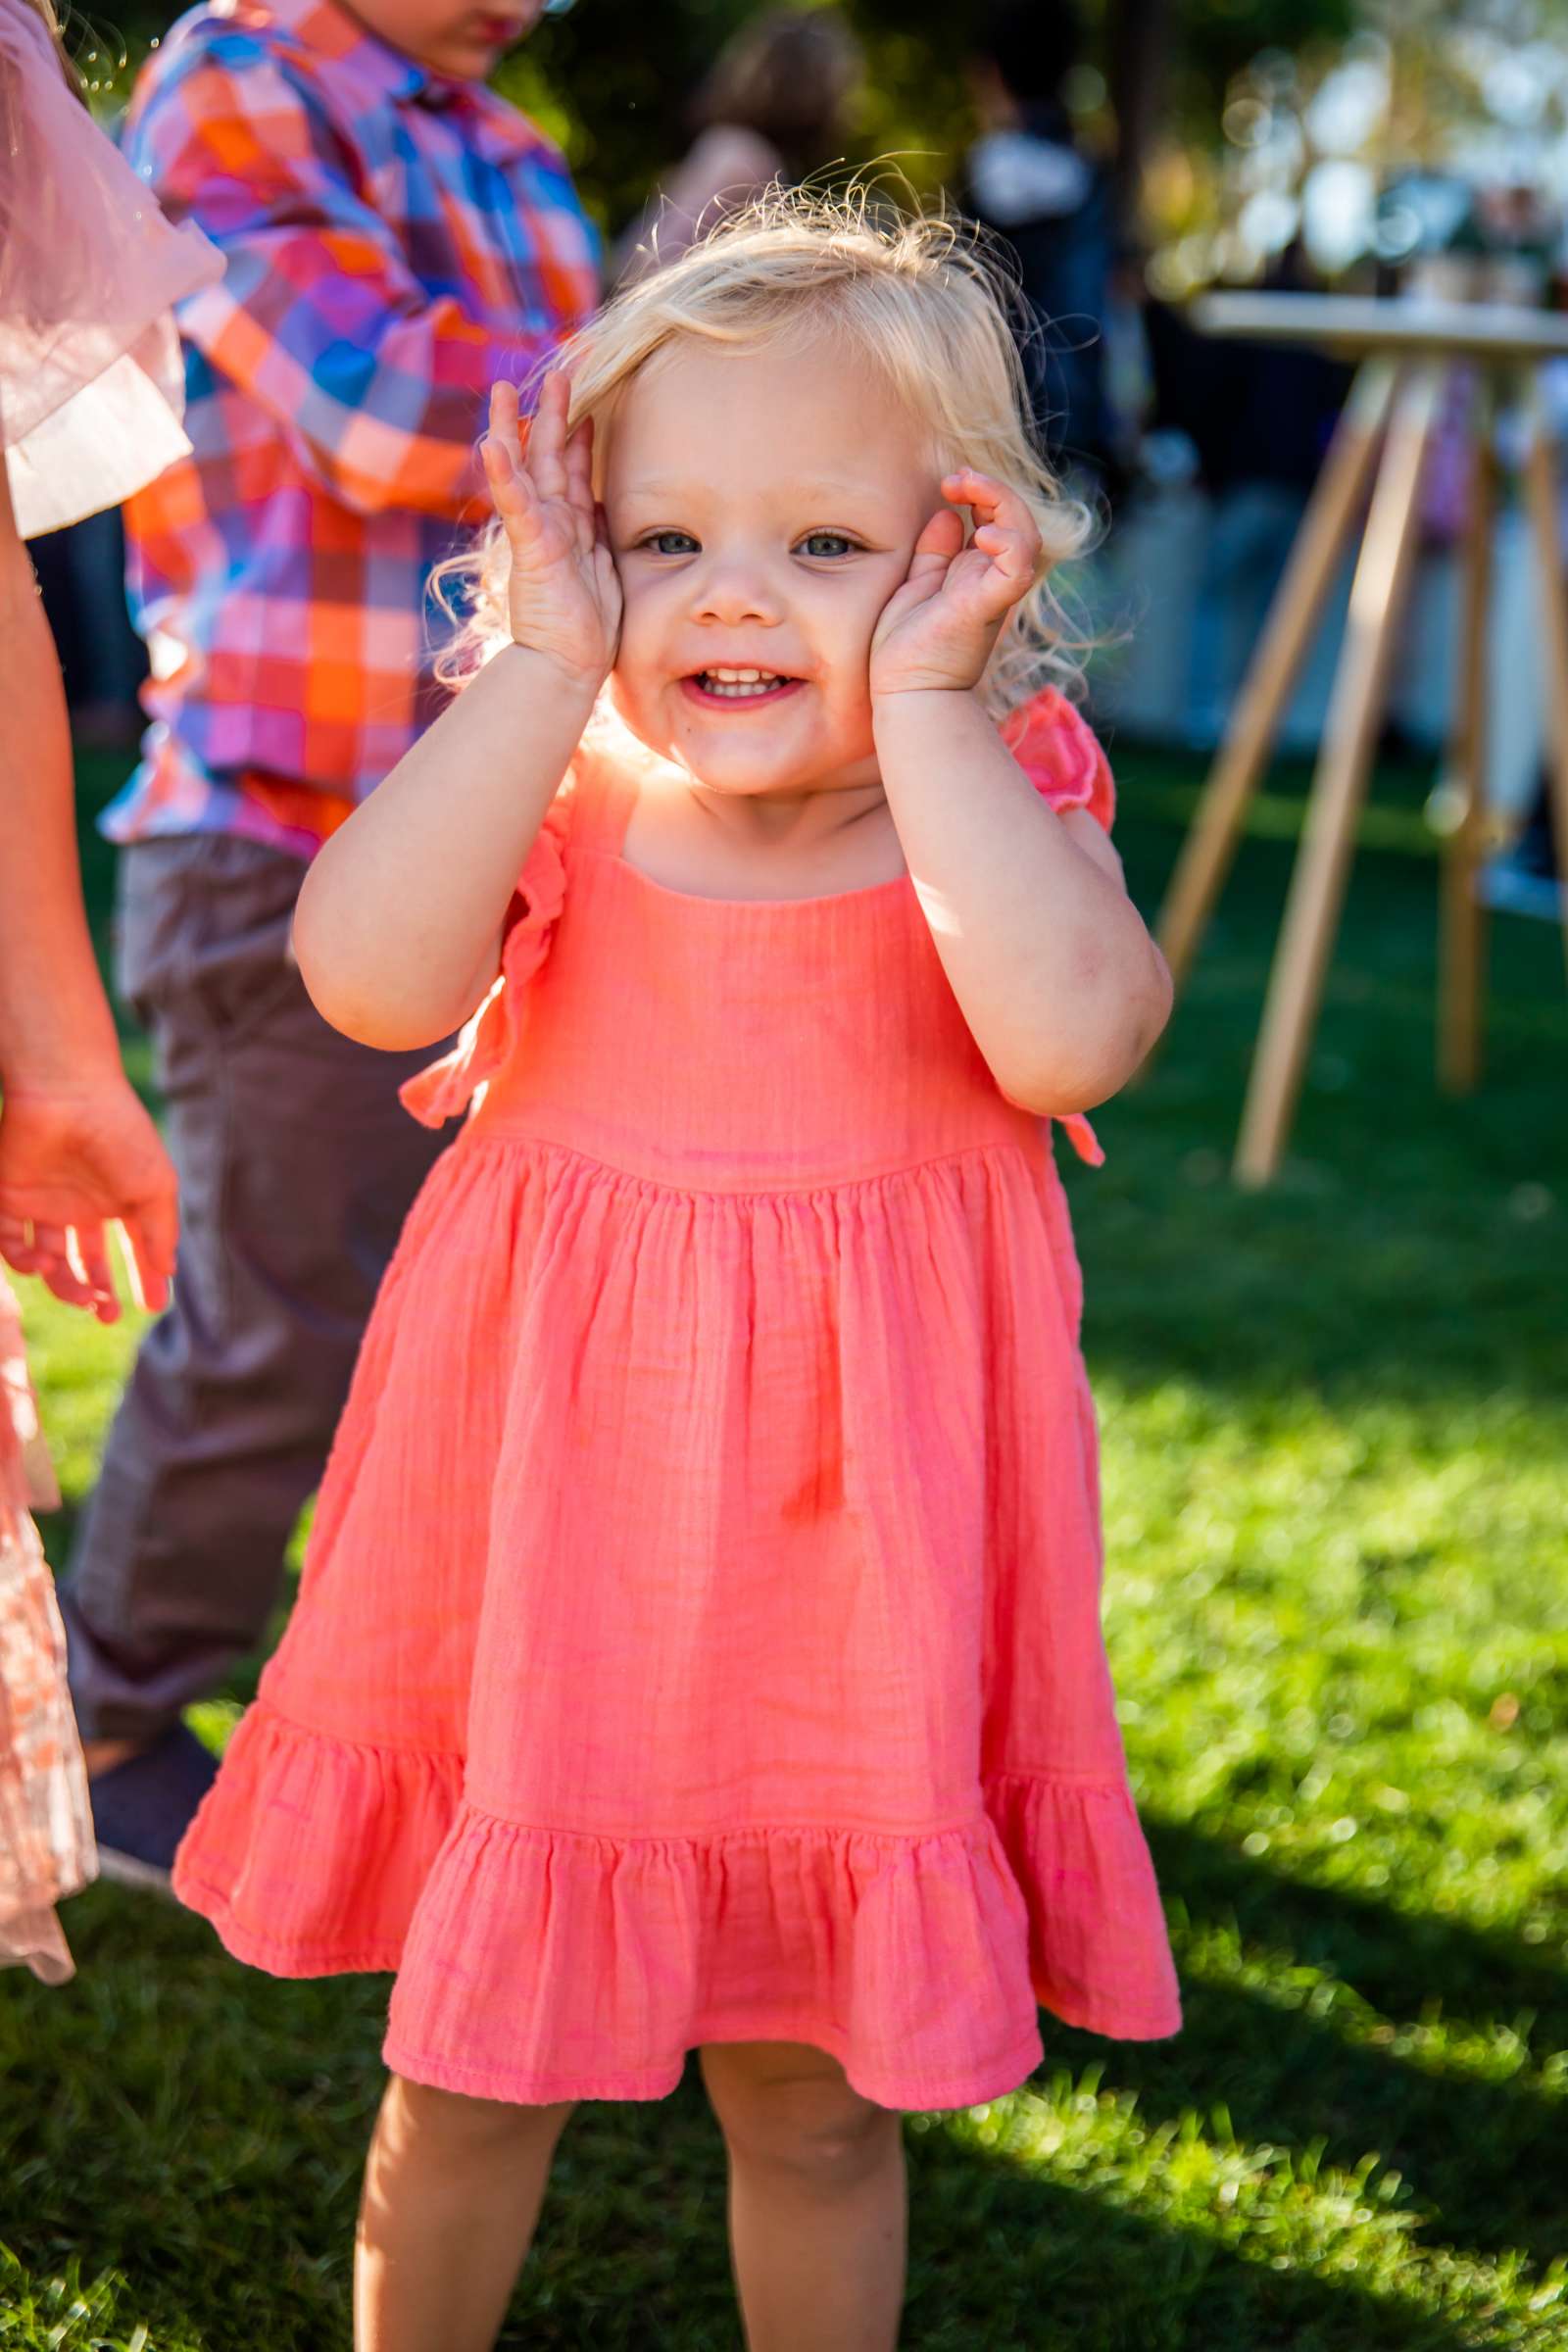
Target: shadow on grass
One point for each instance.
(1481, 2159)
(1350, 1301)
(1011, 2261)
(1395, 1959)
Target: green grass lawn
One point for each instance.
(1335, 1430)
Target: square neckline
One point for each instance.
(697, 898)
(605, 795)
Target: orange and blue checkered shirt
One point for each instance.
(395, 243)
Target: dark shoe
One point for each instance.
(143, 1808)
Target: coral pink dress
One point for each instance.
(699, 1639)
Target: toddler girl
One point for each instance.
(699, 1645)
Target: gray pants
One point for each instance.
(297, 1165)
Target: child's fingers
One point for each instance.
(505, 416)
(508, 491)
(511, 493)
(993, 506)
(939, 541)
(500, 465)
(506, 430)
(580, 479)
(989, 500)
(545, 458)
(906, 600)
(1015, 553)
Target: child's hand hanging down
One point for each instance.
(562, 592)
(937, 631)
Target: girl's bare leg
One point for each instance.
(453, 2187)
(817, 2202)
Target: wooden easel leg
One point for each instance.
(1540, 478)
(1317, 885)
(1291, 625)
(1461, 976)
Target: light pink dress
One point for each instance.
(91, 393)
(46, 1848)
(698, 1639)
(91, 377)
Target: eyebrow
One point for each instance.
(824, 487)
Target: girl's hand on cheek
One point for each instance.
(937, 631)
(563, 590)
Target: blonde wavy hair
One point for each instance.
(917, 297)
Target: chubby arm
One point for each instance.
(1062, 988)
(399, 926)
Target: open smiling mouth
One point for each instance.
(739, 689)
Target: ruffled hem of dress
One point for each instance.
(540, 1965)
(552, 1965)
(1099, 1952)
(46, 1842)
(309, 1852)
(774, 2021)
(448, 1086)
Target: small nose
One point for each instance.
(733, 590)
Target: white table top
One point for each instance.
(1404, 324)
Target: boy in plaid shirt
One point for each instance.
(396, 239)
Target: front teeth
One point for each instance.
(736, 683)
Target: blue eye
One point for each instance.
(827, 542)
(660, 543)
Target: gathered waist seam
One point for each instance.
(497, 1131)
(733, 1833)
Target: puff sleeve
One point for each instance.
(491, 1033)
(1060, 754)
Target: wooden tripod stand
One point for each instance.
(1407, 351)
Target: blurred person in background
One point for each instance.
(776, 107)
(397, 238)
(1027, 182)
(90, 392)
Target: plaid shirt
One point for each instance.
(395, 243)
